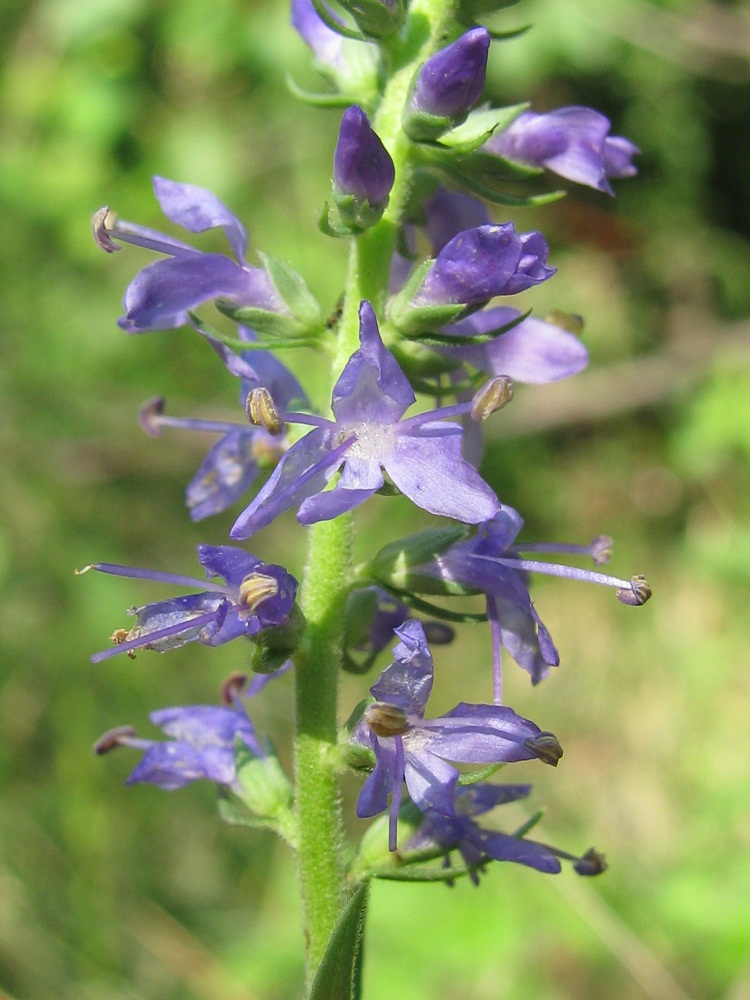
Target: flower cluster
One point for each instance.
(422, 358)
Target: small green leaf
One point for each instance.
(337, 975)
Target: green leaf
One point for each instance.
(318, 100)
(337, 976)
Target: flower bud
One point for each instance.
(363, 171)
(447, 86)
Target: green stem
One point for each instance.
(320, 854)
(328, 571)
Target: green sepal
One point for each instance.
(418, 362)
(293, 291)
(446, 340)
(479, 127)
(410, 319)
(264, 789)
(318, 100)
(375, 18)
(372, 852)
(397, 565)
(498, 197)
(355, 216)
(273, 646)
(321, 9)
(473, 777)
(422, 127)
(428, 608)
(507, 36)
(236, 344)
(417, 873)
(333, 229)
(339, 973)
(234, 811)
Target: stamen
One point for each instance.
(493, 396)
(546, 747)
(497, 663)
(386, 720)
(135, 573)
(113, 738)
(147, 639)
(256, 588)
(636, 593)
(101, 233)
(398, 791)
(590, 863)
(262, 411)
(570, 572)
(232, 688)
(148, 416)
(600, 549)
(152, 418)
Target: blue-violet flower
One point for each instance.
(409, 748)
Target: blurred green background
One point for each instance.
(134, 894)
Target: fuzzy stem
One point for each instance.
(328, 570)
(320, 860)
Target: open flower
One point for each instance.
(162, 294)
(409, 748)
(573, 142)
(461, 832)
(255, 596)
(421, 454)
(243, 450)
(492, 563)
(203, 744)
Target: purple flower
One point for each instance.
(362, 166)
(483, 262)
(573, 142)
(475, 845)
(409, 748)
(162, 294)
(421, 455)
(243, 450)
(451, 82)
(256, 596)
(203, 745)
(491, 564)
(449, 213)
(532, 350)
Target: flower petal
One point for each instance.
(198, 209)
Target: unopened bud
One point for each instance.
(262, 412)
(113, 738)
(233, 687)
(638, 594)
(590, 863)
(546, 747)
(148, 416)
(438, 633)
(386, 720)
(493, 396)
(101, 233)
(256, 588)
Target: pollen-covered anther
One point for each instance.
(149, 413)
(113, 738)
(545, 746)
(233, 687)
(590, 863)
(256, 588)
(493, 396)
(100, 231)
(386, 720)
(262, 411)
(638, 593)
(601, 549)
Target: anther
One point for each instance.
(262, 412)
(256, 588)
(638, 593)
(590, 863)
(113, 738)
(546, 747)
(386, 720)
(493, 396)
(101, 233)
(148, 416)
(232, 688)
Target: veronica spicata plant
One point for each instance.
(424, 348)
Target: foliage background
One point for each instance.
(134, 893)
